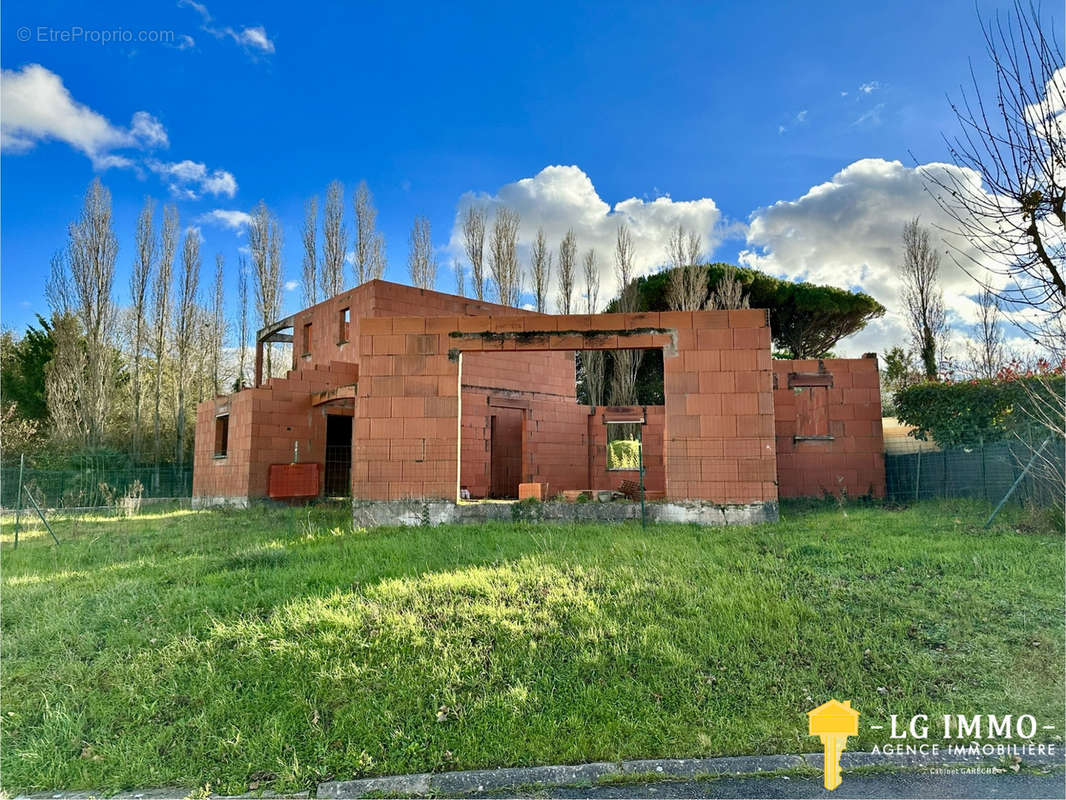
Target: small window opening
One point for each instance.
(221, 435)
(343, 322)
(812, 413)
(307, 339)
(623, 446)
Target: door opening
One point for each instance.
(505, 452)
(337, 475)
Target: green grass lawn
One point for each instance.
(280, 647)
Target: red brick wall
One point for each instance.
(719, 407)
(718, 442)
(850, 411)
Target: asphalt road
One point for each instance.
(887, 785)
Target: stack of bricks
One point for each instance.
(852, 460)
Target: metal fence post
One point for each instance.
(18, 503)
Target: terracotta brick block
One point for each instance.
(566, 341)
(683, 425)
(718, 427)
(748, 318)
(719, 469)
(408, 406)
(442, 407)
(372, 326)
(717, 382)
(409, 325)
(706, 404)
(384, 385)
(370, 407)
(740, 360)
(675, 319)
(443, 325)
(715, 339)
(532, 491)
(702, 360)
(507, 324)
(710, 319)
(738, 403)
(642, 319)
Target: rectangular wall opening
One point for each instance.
(523, 421)
(344, 319)
(505, 452)
(221, 435)
(337, 470)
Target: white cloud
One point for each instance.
(847, 232)
(192, 179)
(227, 218)
(291, 286)
(872, 116)
(149, 131)
(250, 37)
(561, 197)
(256, 38)
(869, 87)
(38, 107)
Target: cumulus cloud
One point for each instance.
(228, 218)
(253, 38)
(192, 179)
(847, 232)
(291, 286)
(38, 107)
(562, 197)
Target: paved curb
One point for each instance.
(488, 780)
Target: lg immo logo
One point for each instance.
(972, 736)
(965, 735)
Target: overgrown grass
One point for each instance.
(280, 647)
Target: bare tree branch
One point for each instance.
(922, 296)
(474, 242)
(540, 269)
(421, 260)
(334, 241)
(310, 261)
(567, 270)
(503, 257)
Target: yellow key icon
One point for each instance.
(833, 722)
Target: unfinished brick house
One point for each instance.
(396, 393)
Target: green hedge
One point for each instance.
(967, 413)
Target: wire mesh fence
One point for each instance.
(986, 471)
(93, 487)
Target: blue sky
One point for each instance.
(745, 105)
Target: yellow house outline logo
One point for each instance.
(833, 722)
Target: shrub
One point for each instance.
(967, 413)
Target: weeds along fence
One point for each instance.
(919, 471)
(93, 487)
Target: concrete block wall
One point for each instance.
(853, 458)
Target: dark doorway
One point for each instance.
(337, 476)
(505, 453)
